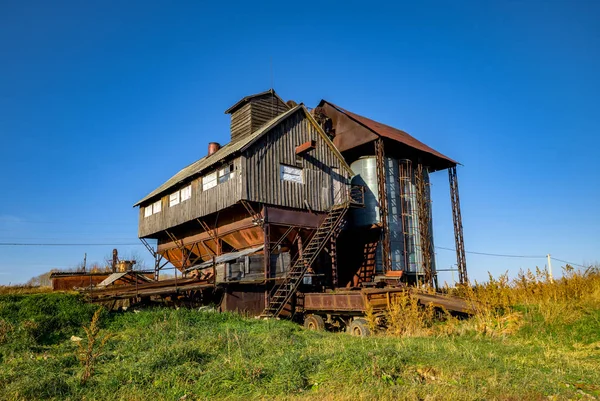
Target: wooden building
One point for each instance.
(256, 198)
(263, 216)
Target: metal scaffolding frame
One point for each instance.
(461, 260)
(424, 215)
(157, 258)
(383, 205)
(405, 175)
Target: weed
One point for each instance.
(89, 353)
(406, 317)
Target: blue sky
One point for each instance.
(100, 102)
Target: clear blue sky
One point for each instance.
(100, 102)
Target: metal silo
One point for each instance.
(365, 170)
(403, 220)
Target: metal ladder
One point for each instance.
(281, 294)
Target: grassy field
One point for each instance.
(517, 347)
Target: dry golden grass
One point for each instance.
(406, 317)
(23, 289)
(495, 303)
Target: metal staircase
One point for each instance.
(281, 294)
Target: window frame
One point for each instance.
(290, 168)
(187, 190)
(157, 205)
(212, 183)
(174, 199)
(226, 173)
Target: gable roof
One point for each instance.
(249, 97)
(392, 133)
(234, 147)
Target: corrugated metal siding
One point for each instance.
(278, 147)
(200, 204)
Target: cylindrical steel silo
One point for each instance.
(402, 216)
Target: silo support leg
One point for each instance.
(383, 204)
(423, 215)
(461, 260)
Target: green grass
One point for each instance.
(168, 354)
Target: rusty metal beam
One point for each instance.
(212, 233)
(306, 146)
(283, 237)
(405, 177)
(334, 261)
(223, 231)
(424, 214)
(267, 258)
(383, 204)
(257, 217)
(461, 260)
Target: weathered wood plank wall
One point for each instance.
(241, 122)
(277, 147)
(253, 115)
(200, 204)
(265, 109)
(257, 178)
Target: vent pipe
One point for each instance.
(213, 147)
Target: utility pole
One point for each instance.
(115, 259)
(550, 268)
(84, 260)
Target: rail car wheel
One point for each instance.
(314, 322)
(359, 328)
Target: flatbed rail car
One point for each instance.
(348, 308)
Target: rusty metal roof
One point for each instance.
(390, 132)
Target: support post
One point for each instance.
(405, 177)
(267, 258)
(115, 258)
(334, 264)
(461, 260)
(383, 206)
(424, 214)
(550, 268)
(157, 259)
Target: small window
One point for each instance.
(186, 193)
(174, 199)
(152, 208)
(156, 206)
(209, 181)
(290, 173)
(226, 174)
